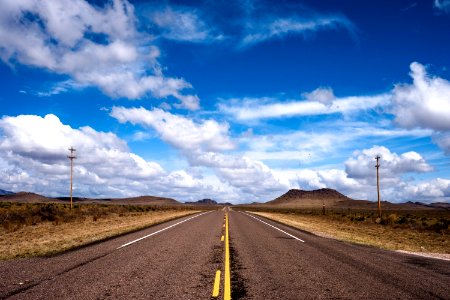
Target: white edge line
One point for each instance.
(292, 236)
(161, 230)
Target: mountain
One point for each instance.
(440, 205)
(25, 197)
(143, 200)
(332, 198)
(3, 192)
(303, 198)
(204, 202)
(443, 205)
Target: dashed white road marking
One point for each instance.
(292, 236)
(161, 230)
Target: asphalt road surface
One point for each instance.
(179, 259)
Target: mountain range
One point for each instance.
(294, 198)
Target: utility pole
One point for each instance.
(71, 156)
(378, 184)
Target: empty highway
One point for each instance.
(179, 260)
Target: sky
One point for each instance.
(236, 101)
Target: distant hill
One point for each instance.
(25, 197)
(331, 198)
(143, 200)
(203, 202)
(441, 205)
(208, 202)
(3, 192)
(303, 198)
(432, 205)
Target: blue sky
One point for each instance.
(232, 100)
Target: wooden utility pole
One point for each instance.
(71, 156)
(378, 184)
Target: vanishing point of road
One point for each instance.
(180, 259)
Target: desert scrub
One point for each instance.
(14, 216)
(391, 237)
(437, 221)
(45, 229)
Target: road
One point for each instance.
(179, 259)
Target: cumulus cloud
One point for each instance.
(425, 103)
(33, 153)
(443, 141)
(321, 95)
(178, 131)
(361, 164)
(432, 191)
(95, 46)
(34, 158)
(251, 177)
(358, 179)
(310, 179)
(203, 144)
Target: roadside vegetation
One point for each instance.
(36, 229)
(415, 231)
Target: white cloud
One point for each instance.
(318, 102)
(33, 153)
(278, 27)
(358, 180)
(141, 136)
(33, 157)
(36, 147)
(361, 164)
(432, 191)
(182, 24)
(178, 131)
(321, 95)
(425, 103)
(202, 143)
(442, 5)
(311, 179)
(324, 142)
(443, 141)
(95, 46)
(251, 23)
(251, 177)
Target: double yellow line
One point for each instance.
(227, 277)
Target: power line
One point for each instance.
(71, 156)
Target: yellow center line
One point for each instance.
(216, 288)
(227, 284)
(227, 277)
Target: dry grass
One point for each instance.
(385, 237)
(47, 237)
